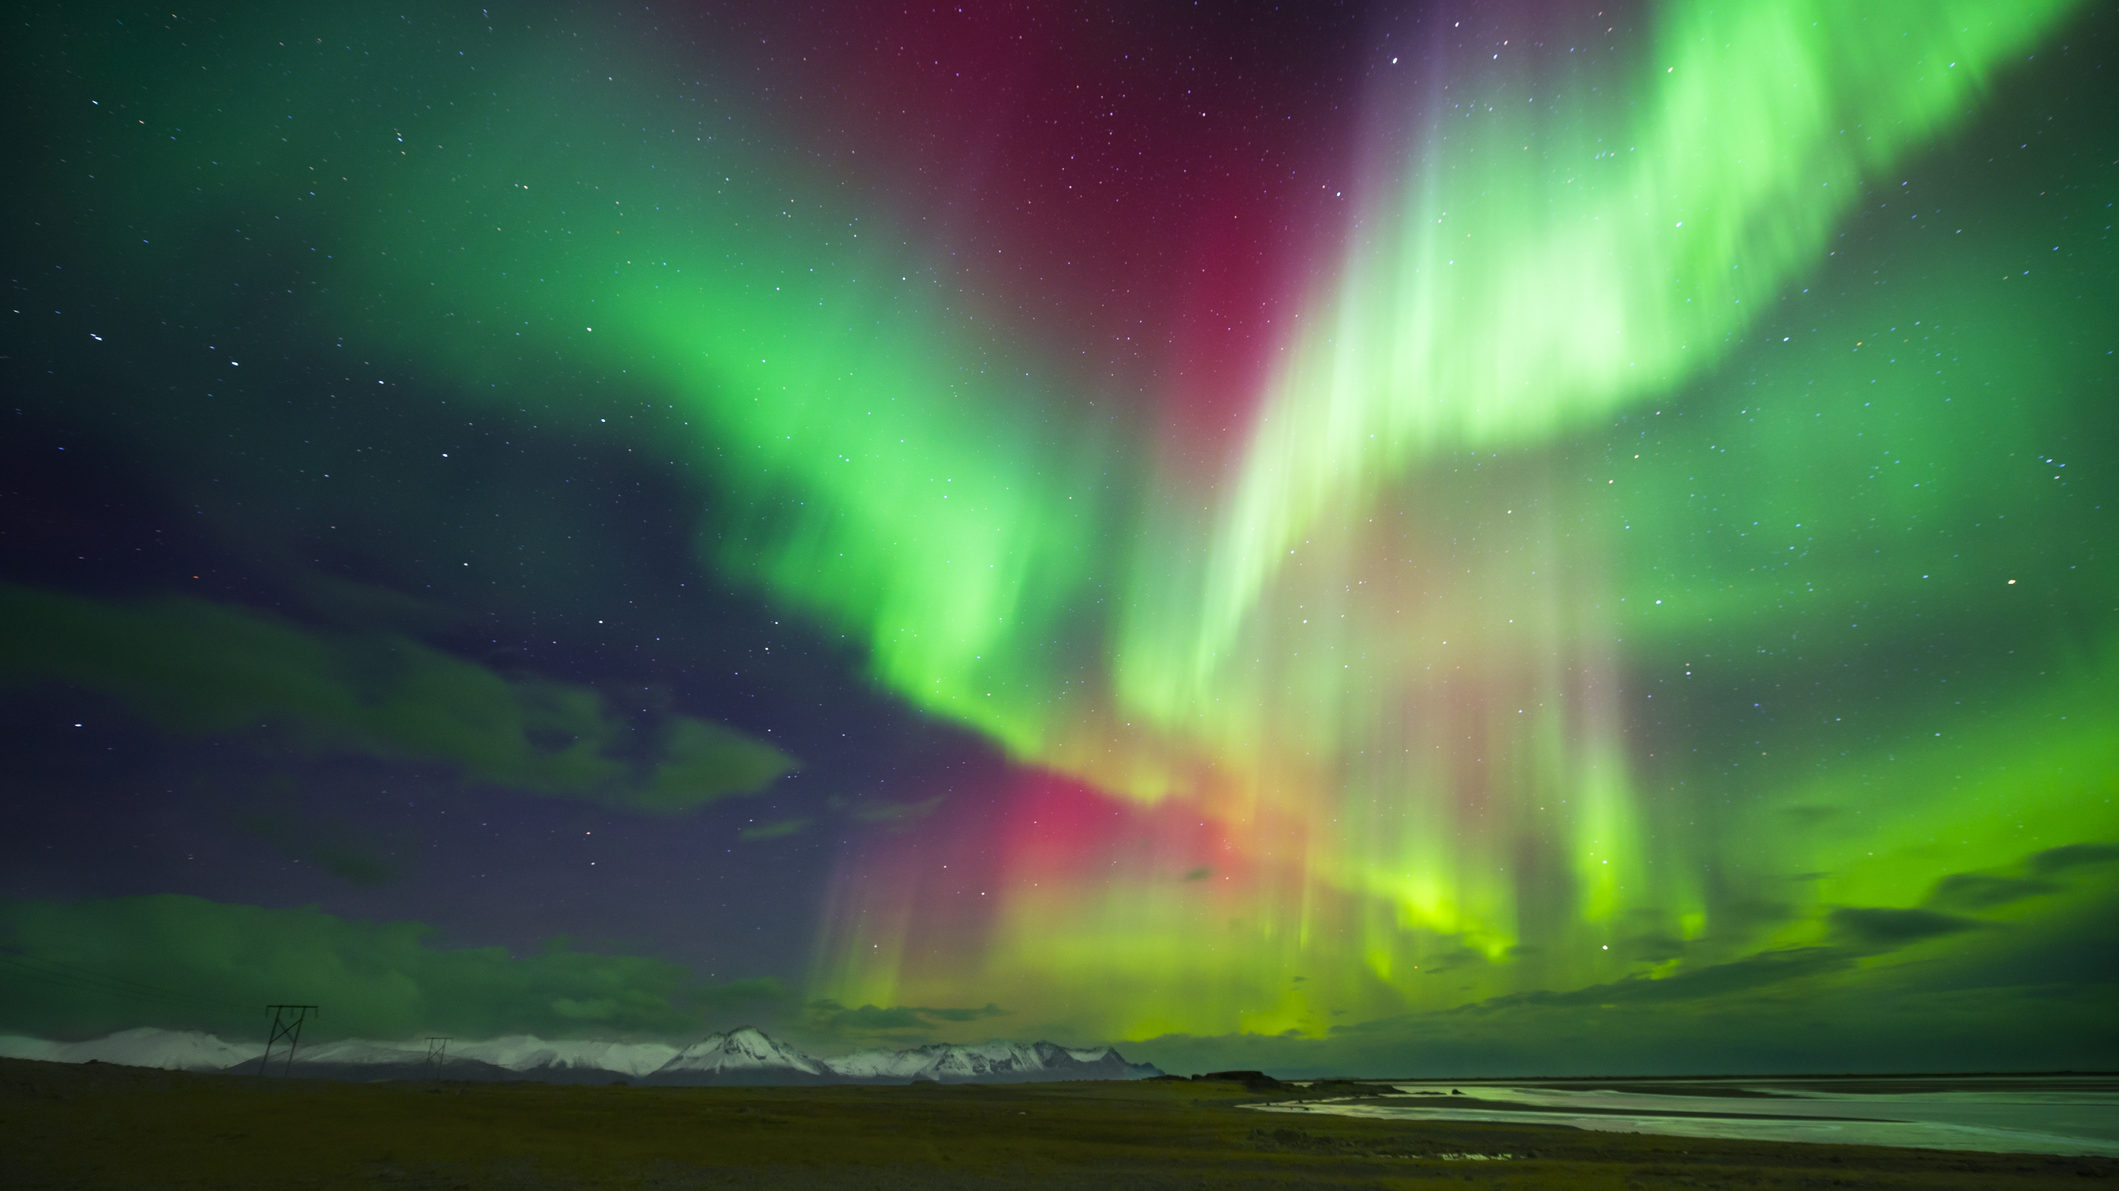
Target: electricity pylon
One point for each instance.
(288, 1027)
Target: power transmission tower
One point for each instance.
(286, 1023)
(437, 1054)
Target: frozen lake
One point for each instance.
(2013, 1114)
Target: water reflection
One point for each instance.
(2012, 1114)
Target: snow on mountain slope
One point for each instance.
(986, 1058)
(743, 1050)
(170, 1050)
(881, 1064)
(740, 1056)
(531, 1054)
(999, 1060)
(935, 1061)
(191, 1050)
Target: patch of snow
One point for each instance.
(144, 1046)
(529, 1053)
(741, 1053)
(746, 1049)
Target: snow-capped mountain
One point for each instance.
(742, 1056)
(990, 1062)
(750, 1056)
(738, 1055)
(530, 1054)
(170, 1050)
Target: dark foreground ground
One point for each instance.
(95, 1126)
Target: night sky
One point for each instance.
(1337, 538)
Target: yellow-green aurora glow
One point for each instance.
(1388, 652)
(1618, 576)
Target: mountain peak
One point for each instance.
(745, 1049)
(745, 1054)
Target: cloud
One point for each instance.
(1971, 892)
(1749, 974)
(776, 829)
(1807, 1009)
(701, 762)
(897, 1019)
(197, 667)
(1199, 874)
(2073, 856)
(1876, 928)
(1839, 1020)
(2035, 995)
(1457, 958)
(77, 969)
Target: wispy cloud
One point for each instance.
(774, 829)
(75, 969)
(1880, 929)
(895, 1019)
(197, 667)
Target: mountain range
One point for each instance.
(742, 1056)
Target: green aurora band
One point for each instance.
(1613, 586)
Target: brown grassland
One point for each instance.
(97, 1126)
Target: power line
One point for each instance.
(106, 983)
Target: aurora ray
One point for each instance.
(1652, 539)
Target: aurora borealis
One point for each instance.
(1384, 538)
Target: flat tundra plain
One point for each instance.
(92, 1126)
